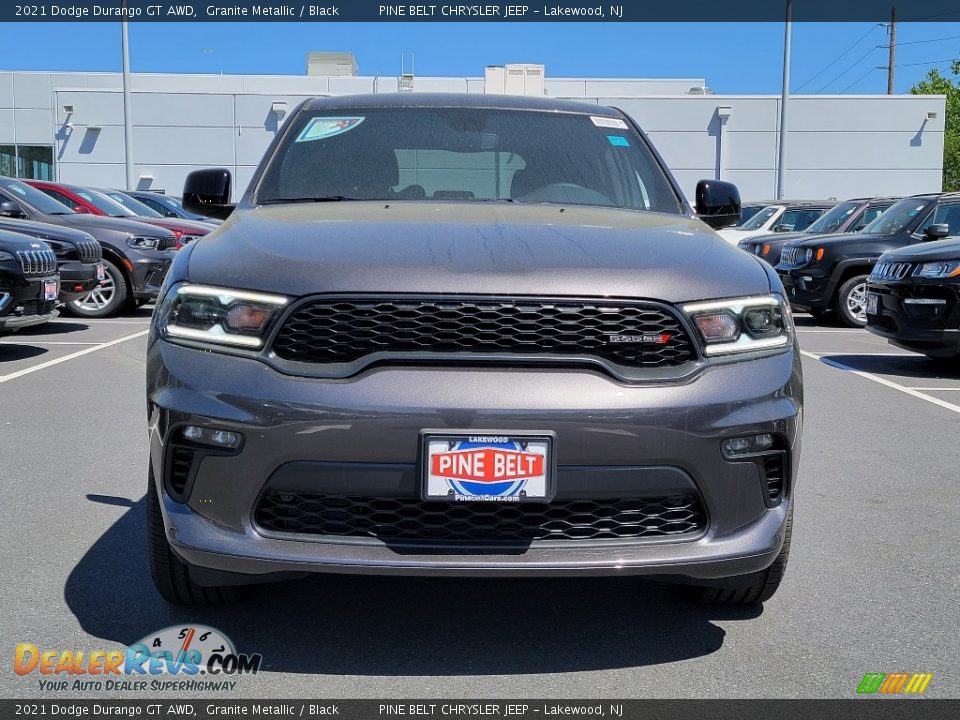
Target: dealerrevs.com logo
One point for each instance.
(177, 658)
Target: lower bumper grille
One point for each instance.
(775, 471)
(402, 519)
(39, 307)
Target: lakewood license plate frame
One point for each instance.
(504, 446)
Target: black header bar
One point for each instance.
(478, 11)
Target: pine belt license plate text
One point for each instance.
(50, 290)
(873, 301)
(487, 467)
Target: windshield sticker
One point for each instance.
(320, 128)
(18, 190)
(607, 122)
(618, 141)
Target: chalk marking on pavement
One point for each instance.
(883, 381)
(71, 356)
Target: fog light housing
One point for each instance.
(213, 437)
(748, 445)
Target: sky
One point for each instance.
(829, 58)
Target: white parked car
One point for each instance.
(778, 217)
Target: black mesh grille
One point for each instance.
(341, 331)
(167, 243)
(416, 520)
(773, 469)
(38, 307)
(181, 461)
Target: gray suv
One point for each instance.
(469, 335)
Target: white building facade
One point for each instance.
(70, 127)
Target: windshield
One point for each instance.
(747, 212)
(132, 204)
(760, 219)
(39, 201)
(466, 155)
(834, 218)
(104, 204)
(898, 217)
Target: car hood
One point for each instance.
(45, 231)
(15, 242)
(776, 237)
(85, 221)
(836, 239)
(926, 252)
(187, 227)
(479, 248)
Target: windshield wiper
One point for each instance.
(318, 199)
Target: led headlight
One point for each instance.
(143, 243)
(219, 315)
(941, 269)
(740, 325)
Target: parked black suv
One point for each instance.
(79, 257)
(913, 294)
(469, 335)
(135, 255)
(829, 272)
(847, 217)
(28, 282)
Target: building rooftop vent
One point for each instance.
(332, 63)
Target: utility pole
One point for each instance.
(893, 49)
(127, 119)
(784, 100)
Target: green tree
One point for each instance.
(936, 83)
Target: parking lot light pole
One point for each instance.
(784, 100)
(127, 120)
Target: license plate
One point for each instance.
(873, 302)
(487, 467)
(101, 272)
(50, 289)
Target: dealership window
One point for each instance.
(33, 162)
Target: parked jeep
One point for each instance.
(829, 272)
(468, 335)
(28, 282)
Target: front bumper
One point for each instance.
(806, 288)
(76, 279)
(345, 433)
(148, 268)
(918, 315)
(22, 302)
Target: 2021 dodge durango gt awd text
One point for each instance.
(462, 335)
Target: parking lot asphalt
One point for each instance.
(873, 583)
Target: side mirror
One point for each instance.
(207, 192)
(81, 210)
(782, 228)
(937, 232)
(170, 213)
(12, 209)
(718, 203)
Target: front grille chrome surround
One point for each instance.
(90, 251)
(37, 262)
(891, 271)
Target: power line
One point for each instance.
(873, 69)
(934, 62)
(931, 17)
(920, 42)
(860, 60)
(838, 58)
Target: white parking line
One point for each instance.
(30, 341)
(883, 381)
(71, 356)
(937, 389)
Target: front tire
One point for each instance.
(754, 588)
(851, 302)
(170, 574)
(105, 300)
